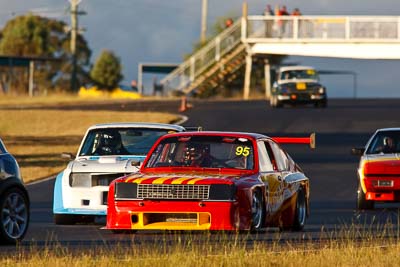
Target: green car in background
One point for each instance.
(298, 85)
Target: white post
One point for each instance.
(247, 77)
(31, 70)
(347, 28)
(217, 48)
(296, 28)
(203, 34)
(267, 78)
(192, 70)
(244, 22)
(140, 78)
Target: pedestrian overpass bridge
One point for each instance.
(357, 37)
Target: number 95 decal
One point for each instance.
(242, 151)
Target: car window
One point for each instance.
(280, 157)
(299, 74)
(264, 158)
(203, 151)
(385, 142)
(271, 155)
(120, 141)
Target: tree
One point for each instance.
(106, 71)
(36, 36)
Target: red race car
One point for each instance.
(379, 169)
(212, 181)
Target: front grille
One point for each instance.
(167, 191)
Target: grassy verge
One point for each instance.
(332, 253)
(37, 137)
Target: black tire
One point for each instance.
(301, 211)
(362, 203)
(257, 211)
(64, 219)
(14, 215)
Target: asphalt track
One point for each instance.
(331, 168)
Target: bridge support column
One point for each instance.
(267, 78)
(247, 76)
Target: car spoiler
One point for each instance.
(297, 140)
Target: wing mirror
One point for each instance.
(67, 156)
(135, 163)
(357, 151)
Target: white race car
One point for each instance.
(108, 151)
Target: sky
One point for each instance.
(163, 31)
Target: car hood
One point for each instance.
(107, 164)
(382, 164)
(198, 179)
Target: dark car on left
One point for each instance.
(14, 200)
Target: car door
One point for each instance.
(271, 177)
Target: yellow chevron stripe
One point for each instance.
(139, 180)
(160, 180)
(181, 180)
(194, 180)
(130, 179)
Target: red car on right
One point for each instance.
(379, 169)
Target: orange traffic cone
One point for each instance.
(183, 104)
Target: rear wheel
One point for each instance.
(362, 202)
(301, 211)
(14, 215)
(257, 211)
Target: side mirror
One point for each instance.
(135, 163)
(357, 151)
(67, 156)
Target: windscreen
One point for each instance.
(120, 141)
(299, 74)
(203, 151)
(385, 142)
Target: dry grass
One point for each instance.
(38, 137)
(57, 99)
(226, 254)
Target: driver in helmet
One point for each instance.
(198, 155)
(111, 144)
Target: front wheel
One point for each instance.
(362, 202)
(14, 215)
(301, 211)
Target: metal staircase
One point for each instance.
(208, 67)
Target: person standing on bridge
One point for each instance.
(268, 21)
(282, 12)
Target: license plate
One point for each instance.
(301, 86)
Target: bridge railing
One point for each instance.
(323, 28)
(197, 63)
(300, 29)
